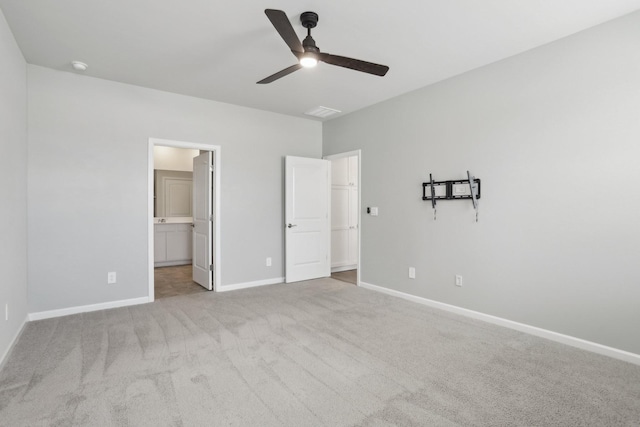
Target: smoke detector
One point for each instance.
(79, 66)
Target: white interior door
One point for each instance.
(344, 212)
(307, 222)
(202, 260)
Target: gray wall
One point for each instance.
(554, 135)
(88, 183)
(13, 188)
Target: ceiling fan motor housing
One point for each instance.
(309, 19)
(309, 45)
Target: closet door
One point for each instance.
(344, 212)
(353, 226)
(353, 209)
(339, 226)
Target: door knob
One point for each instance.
(291, 225)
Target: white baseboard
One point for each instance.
(344, 268)
(171, 263)
(12, 343)
(532, 330)
(86, 308)
(246, 285)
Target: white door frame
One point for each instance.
(357, 153)
(216, 209)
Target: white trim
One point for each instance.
(245, 285)
(344, 268)
(342, 155)
(4, 357)
(217, 159)
(357, 153)
(87, 308)
(532, 330)
(172, 263)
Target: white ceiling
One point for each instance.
(219, 49)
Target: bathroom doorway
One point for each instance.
(184, 225)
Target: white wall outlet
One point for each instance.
(268, 261)
(111, 277)
(412, 273)
(458, 280)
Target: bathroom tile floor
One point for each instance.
(174, 281)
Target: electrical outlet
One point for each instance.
(412, 273)
(458, 280)
(268, 261)
(111, 277)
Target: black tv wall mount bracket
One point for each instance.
(452, 190)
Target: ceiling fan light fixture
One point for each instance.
(308, 61)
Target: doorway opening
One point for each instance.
(183, 217)
(345, 216)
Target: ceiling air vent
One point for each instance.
(322, 112)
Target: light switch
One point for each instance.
(374, 211)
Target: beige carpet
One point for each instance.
(309, 354)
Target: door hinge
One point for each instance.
(211, 267)
(211, 217)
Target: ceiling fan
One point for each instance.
(307, 52)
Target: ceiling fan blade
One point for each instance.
(354, 64)
(280, 74)
(282, 24)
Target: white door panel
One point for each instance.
(340, 171)
(307, 206)
(309, 247)
(202, 224)
(307, 203)
(344, 211)
(353, 171)
(339, 251)
(353, 246)
(353, 207)
(339, 215)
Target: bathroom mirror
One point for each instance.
(173, 193)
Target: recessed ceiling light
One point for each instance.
(79, 66)
(322, 112)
